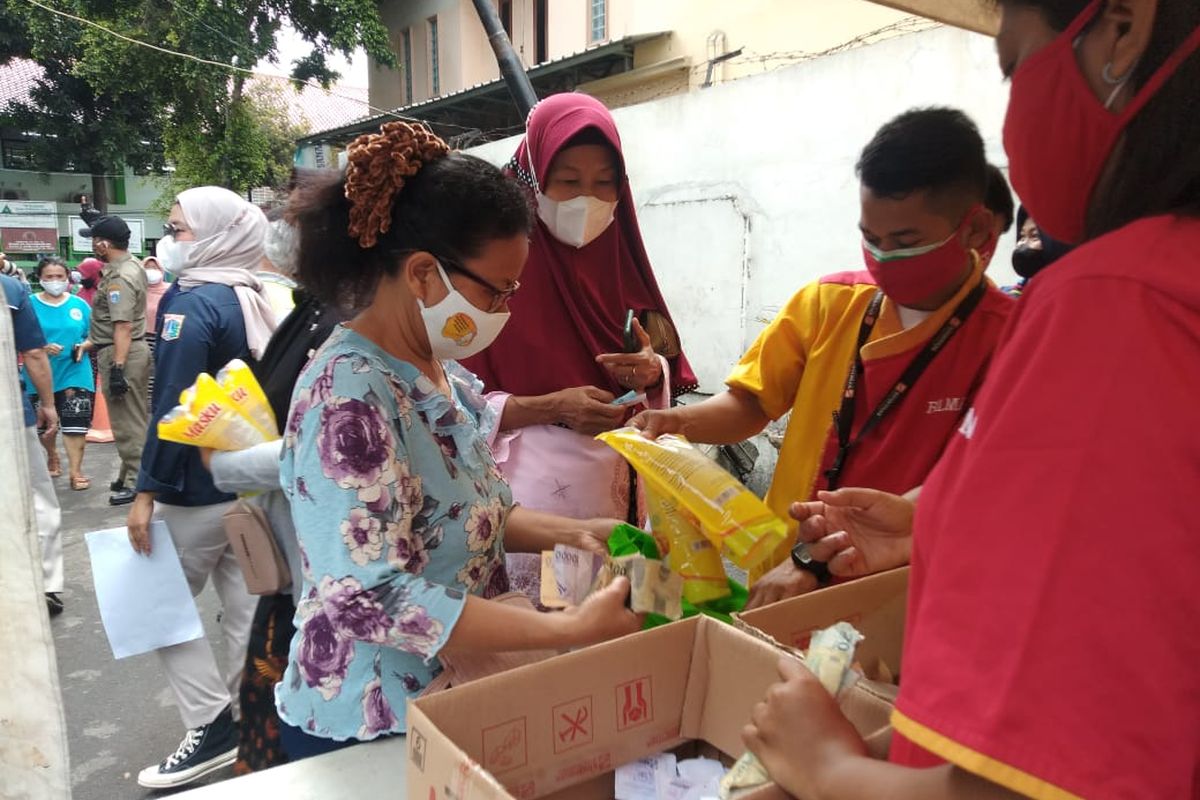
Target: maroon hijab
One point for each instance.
(572, 303)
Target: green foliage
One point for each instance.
(104, 103)
(253, 147)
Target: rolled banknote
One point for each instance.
(830, 654)
(653, 587)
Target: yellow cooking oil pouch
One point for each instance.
(237, 381)
(690, 553)
(206, 417)
(732, 517)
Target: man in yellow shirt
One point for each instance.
(846, 352)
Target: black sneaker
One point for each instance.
(203, 750)
(54, 603)
(116, 486)
(122, 497)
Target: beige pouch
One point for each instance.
(249, 533)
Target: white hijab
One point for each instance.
(229, 246)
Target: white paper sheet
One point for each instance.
(144, 601)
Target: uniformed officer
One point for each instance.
(123, 358)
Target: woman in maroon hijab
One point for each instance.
(560, 363)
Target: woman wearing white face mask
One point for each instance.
(217, 313)
(65, 319)
(554, 373)
(402, 515)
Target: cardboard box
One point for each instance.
(875, 605)
(559, 728)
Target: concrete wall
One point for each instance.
(746, 191)
(763, 27)
(386, 86)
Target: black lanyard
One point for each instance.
(843, 419)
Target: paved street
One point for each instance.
(120, 714)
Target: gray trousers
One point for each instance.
(46, 512)
(202, 689)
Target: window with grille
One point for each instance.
(435, 78)
(599, 17)
(407, 60)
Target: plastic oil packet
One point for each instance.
(237, 381)
(690, 554)
(205, 417)
(732, 517)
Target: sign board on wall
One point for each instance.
(29, 226)
(79, 244)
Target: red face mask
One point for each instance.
(1059, 136)
(914, 274)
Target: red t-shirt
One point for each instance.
(901, 450)
(1053, 637)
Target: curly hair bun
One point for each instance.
(378, 165)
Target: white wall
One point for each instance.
(746, 191)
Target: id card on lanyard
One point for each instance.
(843, 418)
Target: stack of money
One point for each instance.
(569, 575)
(653, 587)
(830, 654)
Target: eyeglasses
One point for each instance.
(172, 230)
(499, 296)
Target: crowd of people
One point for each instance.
(440, 339)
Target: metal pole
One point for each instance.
(510, 66)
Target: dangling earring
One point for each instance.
(1117, 83)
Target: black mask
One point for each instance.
(88, 283)
(1029, 261)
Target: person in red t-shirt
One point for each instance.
(876, 366)
(1050, 648)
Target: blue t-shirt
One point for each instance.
(66, 324)
(27, 333)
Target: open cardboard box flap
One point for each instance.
(875, 605)
(567, 723)
(557, 729)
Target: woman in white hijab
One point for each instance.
(218, 313)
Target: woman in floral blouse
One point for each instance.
(402, 515)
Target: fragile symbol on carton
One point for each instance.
(635, 703)
(417, 745)
(504, 746)
(573, 724)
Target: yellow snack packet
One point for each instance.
(205, 417)
(691, 555)
(730, 515)
(238, 381)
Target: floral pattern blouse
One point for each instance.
(399, 509)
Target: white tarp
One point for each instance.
(33, 739)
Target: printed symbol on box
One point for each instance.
(504, 746)
(418, 749)
(635, 704)
(573, 724)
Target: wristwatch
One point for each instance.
(804, 560)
